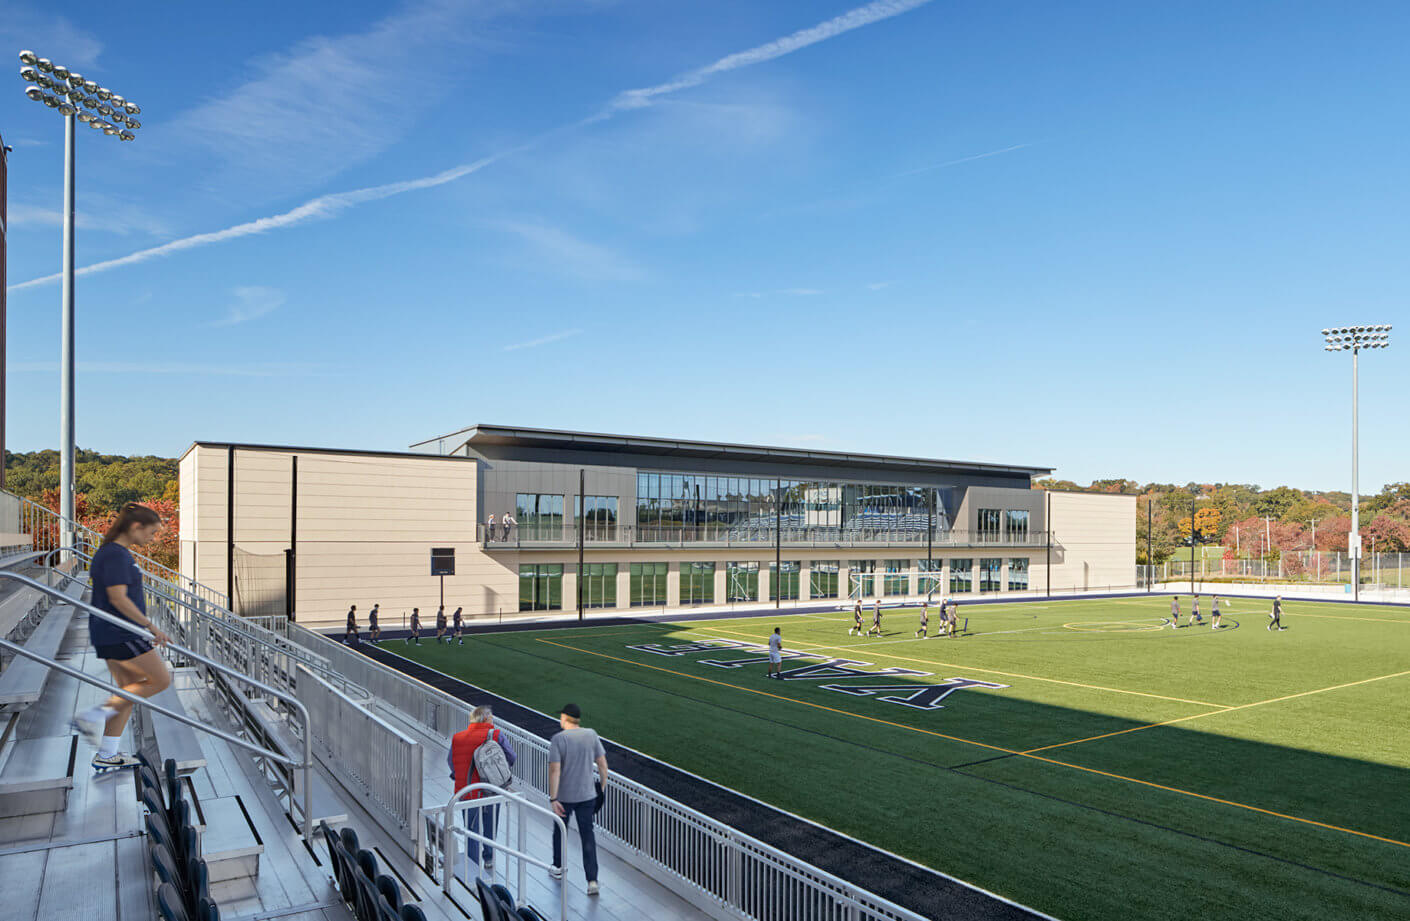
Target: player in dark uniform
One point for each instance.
(374, 632)
(1194, 611)
(459, 629)
(1214, 623)
(441, 624)
(856, 620)
(1275, 616)
(415, 627)
(1175, 612)
(351, 637)
(954, 617)
(875, 619)
(924, 619)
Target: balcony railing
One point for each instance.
(598, 536)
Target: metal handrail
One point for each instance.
(297, 705)
(496, 795)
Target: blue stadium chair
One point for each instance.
(164, 865)
(410, 912)
(489, 902)
(170, 903)
(335, 856)
(528, 913)
(209, 911)
(506, 899)
(158, 833)
(390, 892)
(365, 872)
(198, 887)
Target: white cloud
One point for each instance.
(981, 156)
(26, 142)
(556, 249)
(332, 101)
(853, 19)
(326, 206)
(251, 303)
(276, 369)
(545, 340)
(52, 37)
(109, 217)
(800, 292)
(878, 285)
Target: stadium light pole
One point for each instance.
(77, 100)
(1353, 339)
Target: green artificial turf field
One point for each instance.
(1121, 769)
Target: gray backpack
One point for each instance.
(491, 764)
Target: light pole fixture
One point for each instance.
(76, 99)
(1353, 339)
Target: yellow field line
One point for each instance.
(991, 671)
(998, 748)
(1182, 719)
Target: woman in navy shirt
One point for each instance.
(133, 663)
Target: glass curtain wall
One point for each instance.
(961, 576)
(599, 518)
(786, 582)
(1016, 524)
(600, 585)
(648, 584)
(989, 574)
(861, 578)
(742, 581)
(540, 516)
(897, 580)
(541, 587)
(698, 583)
(822, 580)
(990, 525)
(680, 507)
(930, 575)
(1018, 574)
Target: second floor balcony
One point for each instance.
(537, 536)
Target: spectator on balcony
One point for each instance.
(489, 528)
(132, 660)
(464, 770)
(572, 755)
(509, 522)
(350, 634)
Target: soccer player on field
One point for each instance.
(924, 619)
(415, 627)
(1214, 614)
(1175, 612)
(440, 624)
(954, 617)
(1275, 616)
(875, 619)
(776, 654)
(459, 629)
(350, 637)
(856, 620)
(1194, 611)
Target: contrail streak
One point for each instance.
(326, 206)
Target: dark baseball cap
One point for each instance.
(571, 710)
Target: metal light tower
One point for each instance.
(77, 100)
(1353, 339)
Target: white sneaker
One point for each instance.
(90, 724)
(105, 764)
(555, 872)
(593, 888)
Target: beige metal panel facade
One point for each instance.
(1095, 534)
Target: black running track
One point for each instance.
(904, 883)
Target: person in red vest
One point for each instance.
(461, 760)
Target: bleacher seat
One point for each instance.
(410, 912)
(170, 903)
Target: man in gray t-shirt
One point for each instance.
(572, 755)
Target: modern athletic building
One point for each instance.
(655, 522)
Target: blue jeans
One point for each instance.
(584, 812)
(473, 818)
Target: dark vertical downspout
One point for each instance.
(582, 511)
(1048, 525)
(230, 523)
(1150, 563)
(778, 543)
(292, 575)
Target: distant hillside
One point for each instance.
(1233, 514)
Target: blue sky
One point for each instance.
(1097, 236)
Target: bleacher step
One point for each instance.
(22, 682)
(38, 776)
(175, 739)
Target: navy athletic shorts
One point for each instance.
(124, 651)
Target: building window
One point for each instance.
(600, 585)
(990, 524)
(989, 569)
(861, 581)
(930, 575)
(822, 582)
(541, 587)
(1016, 524)
(698, 583)
(540, 516)
(742, 581)
(599, 520)
(897, 580)
(786, 581)
(961, 578)
(1018, 575)
(648, 584)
